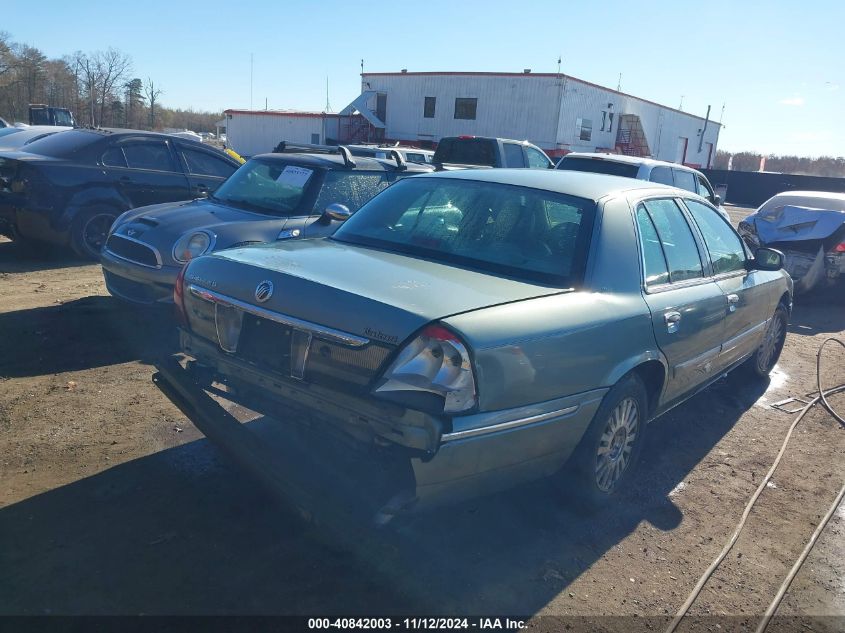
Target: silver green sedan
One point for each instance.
(477, 329)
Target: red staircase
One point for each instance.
(630, 137)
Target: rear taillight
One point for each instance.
(179, 297)
(433, 372)
(839, 248)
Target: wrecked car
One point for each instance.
(466, 331)
(809, 228)
(272, 197)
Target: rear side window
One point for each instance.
(726, 251)
(350, 188)
(204, 164)
(513, 155)
(675, 235)
(685, 180)
(599, 166)
(152, 155)
(663, 175)
(656, 269)
(536, 159)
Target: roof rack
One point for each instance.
(401, 165)
(310, 148)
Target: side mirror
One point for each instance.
(768, 259)
(717, 200)
(337, 211)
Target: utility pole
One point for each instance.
(681, 106)
(619, 83)
(722, 114)
(559, 59)
(328, 105)
(251, 56)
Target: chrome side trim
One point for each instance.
(507, 426)
(321, 331)
(134, 261)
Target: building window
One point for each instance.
(315, 139)
(465, 108)
(603, 119)
(610, 121)
(428, 108)
(585, 129)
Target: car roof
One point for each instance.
(335, 161)
(630, 160)
(573, 183)
(825, 195)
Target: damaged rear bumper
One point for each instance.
(389, 467)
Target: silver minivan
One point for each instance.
(672, 174)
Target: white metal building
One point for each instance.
(251, 132)
(557, 112)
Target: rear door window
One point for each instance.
(724, 245)
(676, 239)
(513, 155)
(151, 155)
(685, 180)
(204, 164)
(654, 262)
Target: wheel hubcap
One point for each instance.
(616, 444)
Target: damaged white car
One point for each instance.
(809, 227)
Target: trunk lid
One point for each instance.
(374, 294)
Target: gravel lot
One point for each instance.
(113, 503)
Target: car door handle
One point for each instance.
(733, 301)
(202, 190)
(673, 321)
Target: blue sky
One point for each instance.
(777, 65)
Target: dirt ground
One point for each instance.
(113, 503)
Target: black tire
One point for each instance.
(89, 231)
(766, 357)
(607, 447)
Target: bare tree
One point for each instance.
(151, 93)
(111, 69)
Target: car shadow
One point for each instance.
(22, 258)
(90, 332)
(185, 531)
(819, 312)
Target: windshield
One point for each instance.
(64, 143)
(271, 187)
(515, 231)
(599, 166)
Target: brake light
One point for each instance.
(433, 372)
(840, 248)
(179, 297)
(466, 136)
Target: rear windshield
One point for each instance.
(502, 229)
(65, 143)
(466, 151)
(599, 166)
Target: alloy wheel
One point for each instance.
(772, 343)
(616, 444)
(95, 232)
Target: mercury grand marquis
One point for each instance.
(467, 331)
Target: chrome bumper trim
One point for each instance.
(337, 336)
(507, 426)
